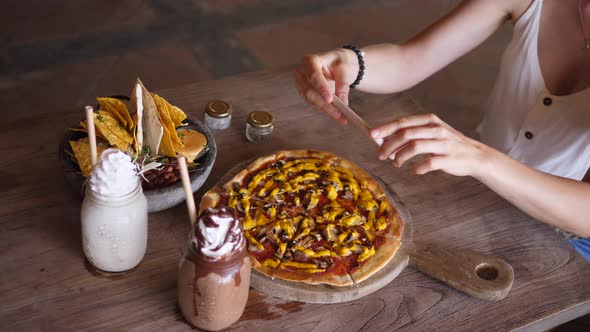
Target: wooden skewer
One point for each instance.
(91, 134)
(190, 199)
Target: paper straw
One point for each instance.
(91, 134)
(190, 200)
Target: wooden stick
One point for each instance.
(91, 134)
(190, 199)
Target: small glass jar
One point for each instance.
(259, 126)
(218, 115)
(114, 229)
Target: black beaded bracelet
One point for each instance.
(361, 56)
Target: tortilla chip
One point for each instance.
(177, 115)
(84, 125)
(163, 107)
(81, 150)
(113, 130)
(167, 145)
(153, 130)
(118, 109)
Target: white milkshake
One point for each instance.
(114, 214)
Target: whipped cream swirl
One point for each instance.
(114, 174)
(218, 233)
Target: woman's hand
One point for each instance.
(313, 74)
(447, 149)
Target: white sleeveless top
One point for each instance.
(547, 132)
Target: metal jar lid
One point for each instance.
(260, 119)
(218, 109)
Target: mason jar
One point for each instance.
(212, 295)
(259, 126)
(218, 115)
(114, 229)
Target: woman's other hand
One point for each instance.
(447, 149)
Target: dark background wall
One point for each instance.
(58, 55)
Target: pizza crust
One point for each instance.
(382, 256)
(313, 279)
(210, 199)
(236, 180)
(306, 154)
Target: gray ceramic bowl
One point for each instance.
(159, 198)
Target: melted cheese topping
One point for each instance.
(352, 220)
(282, 248)
(367, 252)
(331, 193)
(298, 265)
(271, 262)
(313, 201)
(311, 253)
(291, 179)
(381, 224)
(311, 271)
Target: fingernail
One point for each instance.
(375, 133)
(381, 157)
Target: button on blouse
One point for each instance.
(547, 101)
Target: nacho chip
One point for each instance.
(118, 109)
(167, 145)
(163, 107)
(177, 115)
(84, 125)
(81, 150)
(113, 130)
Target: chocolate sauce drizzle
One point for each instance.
(209, 218)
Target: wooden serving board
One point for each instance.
(479, 275)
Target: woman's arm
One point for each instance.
(553, 200)
(392, 68)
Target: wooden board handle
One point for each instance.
(482, 276)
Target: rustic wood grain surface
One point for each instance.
(45, 283)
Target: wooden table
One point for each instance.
(45, 283)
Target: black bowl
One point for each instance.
(160, 198)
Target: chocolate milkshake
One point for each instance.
(214, 274)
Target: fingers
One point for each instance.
(411, 134)
(417, 147)
(341, 90)
(430, 164)
(312, 70)
(405, 122)
(313, 79)
(312, 97)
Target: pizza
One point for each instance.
(312, 217)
